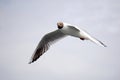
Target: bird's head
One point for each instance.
(60, 25)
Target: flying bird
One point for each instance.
(64, 29)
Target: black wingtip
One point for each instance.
(103, 44)
(30, 62)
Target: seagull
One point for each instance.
(64, 29)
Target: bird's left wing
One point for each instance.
(45, 43)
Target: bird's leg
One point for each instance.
(82, 38)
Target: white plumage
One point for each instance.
(64, 29)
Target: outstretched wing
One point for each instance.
(86, 36)
(45, 43)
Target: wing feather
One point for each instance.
(45, 43)
(74, 28)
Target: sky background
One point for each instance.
(24, 22)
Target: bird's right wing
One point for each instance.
(45, 43)
(97, 41)
(89, 37)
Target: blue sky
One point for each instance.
(24, 22)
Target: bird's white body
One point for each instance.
(64, 29)
(73, 31)
(70, 30)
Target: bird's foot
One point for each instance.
(82, 38)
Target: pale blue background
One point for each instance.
(24, 22)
